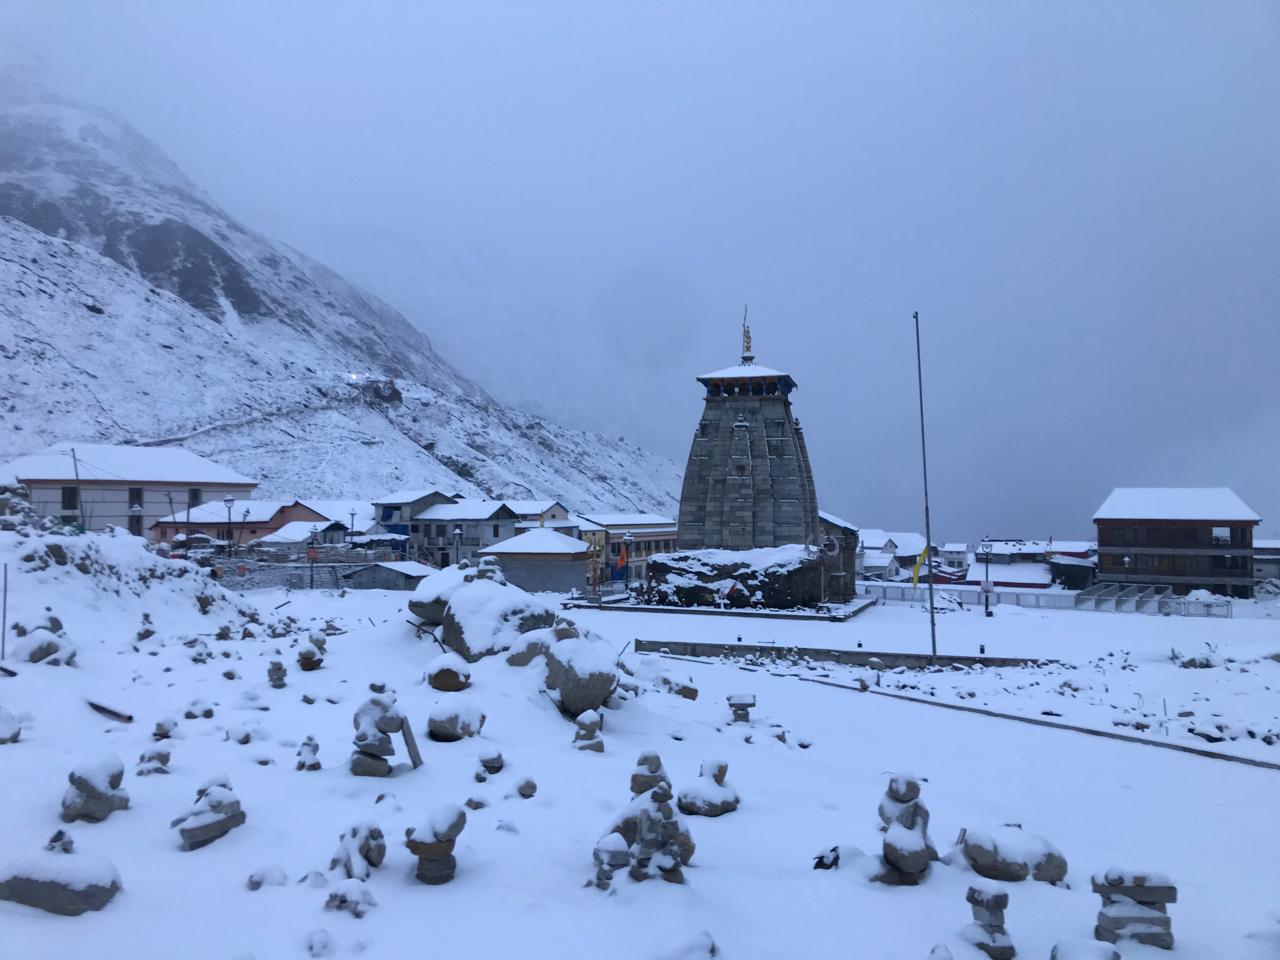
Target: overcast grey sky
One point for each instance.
(575, 199)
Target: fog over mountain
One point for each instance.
(574, 201)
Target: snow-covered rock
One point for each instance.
(1010, 854)
(709, 795)
(61, 880)
(486, 617)
(448, 673)
(95, 792)
(455, 718)
(583, 672)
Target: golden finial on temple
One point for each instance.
(747, 355)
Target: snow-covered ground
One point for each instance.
(523, 863)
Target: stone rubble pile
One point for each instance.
(361, 849)
(587, 735)
(95, 792)
(276, 673)
(308, 755)
(351, 896)
(710, 796)
(63, 881)
(215, 813)
(907, 850)
(311, 653)
(987, 931)
(375, 720)
(433, 844)
(1135, 906)
(198, 709)
(1010, 855)
(152, 762)
(656, 841)
(489, 765)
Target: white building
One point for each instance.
(98, 485)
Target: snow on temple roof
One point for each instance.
(1175, 503)
(743, 371)
(101, 461)
(539, 540)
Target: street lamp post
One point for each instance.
(351, 530)
(228, 501)
(628, 539)
(457, 544)
(986, 579)
(136, 511)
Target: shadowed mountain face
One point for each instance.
(211, 335)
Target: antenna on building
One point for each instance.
(747, 356)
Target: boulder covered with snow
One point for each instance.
(430, 598)
(10, 729)
(215, 813)
(779, 578)
(709, 795)
(454, 718)
(361, 849)
(448, 673)
(1010, 854)
(61, 880)
(582, 670)
(351, 896)
(485, 617)
(95, 792)
(43, 645)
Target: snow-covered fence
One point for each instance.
(966, 596)
(1109, 598)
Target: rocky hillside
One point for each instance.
(132, 308)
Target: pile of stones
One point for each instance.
(164, 729)
(276, 674)
(361, 849)
(489, 765)
(64, 882)
(308, 755)
(215, 813)
(152, 762)
(1010, 855)
(710, 796)
(311, 653)
(587, 735)
(433, 844)
(351, 896)
(987, 931)
(907, 850)
(198, 709)
(95, 792)
(1135, 906)
(375, 721)
(656, 841)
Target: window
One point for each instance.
(444, 558)
(495, 530)
(440, 531)
(69, 498)
(135, 497)
(414, 528)
(615, 548)
(195, 497)
(135, 525)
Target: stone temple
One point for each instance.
(748, 482)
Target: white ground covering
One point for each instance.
(522, 863)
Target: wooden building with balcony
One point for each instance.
(1198, 538)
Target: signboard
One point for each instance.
(987, 586)
(312, 554)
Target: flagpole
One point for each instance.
(924, 464)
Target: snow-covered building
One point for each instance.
(543, 510)
(448, 532)
(1189, 538)
(234, 521)
(1033, 551)
(295, 533)
(542, 559)
(877, 565)
(955, 555)
(628, 541)
(388, 575)
(395, 511)
(1266, 559)
(131, 487)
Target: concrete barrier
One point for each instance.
(853, 658)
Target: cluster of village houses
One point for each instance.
(1181, 539)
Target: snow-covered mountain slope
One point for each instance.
(132, 308)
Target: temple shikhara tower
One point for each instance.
(748, 483)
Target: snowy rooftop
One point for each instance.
(1040, 546)
(215, 511)
(466, 510)
(955, 547)
(629, 520)
(539, 540)
(298, 531)
(836, 521)
(531, 507)
(100, 461)
(1032, 574)
(408, 496)
(1175, 503)
(743, 371)
(410, 568)
(341, 510)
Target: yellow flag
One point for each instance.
(915, 572)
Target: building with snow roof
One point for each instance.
(542, 559)
(748, 482)
(388, 575)
(126, 486)
(1188, 538)
(1266, 559)
(238, 522)
(448, 532)
(538, 509)
(622, 543)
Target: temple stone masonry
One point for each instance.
(748, 483)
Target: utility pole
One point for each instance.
(75, 466)
(928, 532)
(4, 614)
